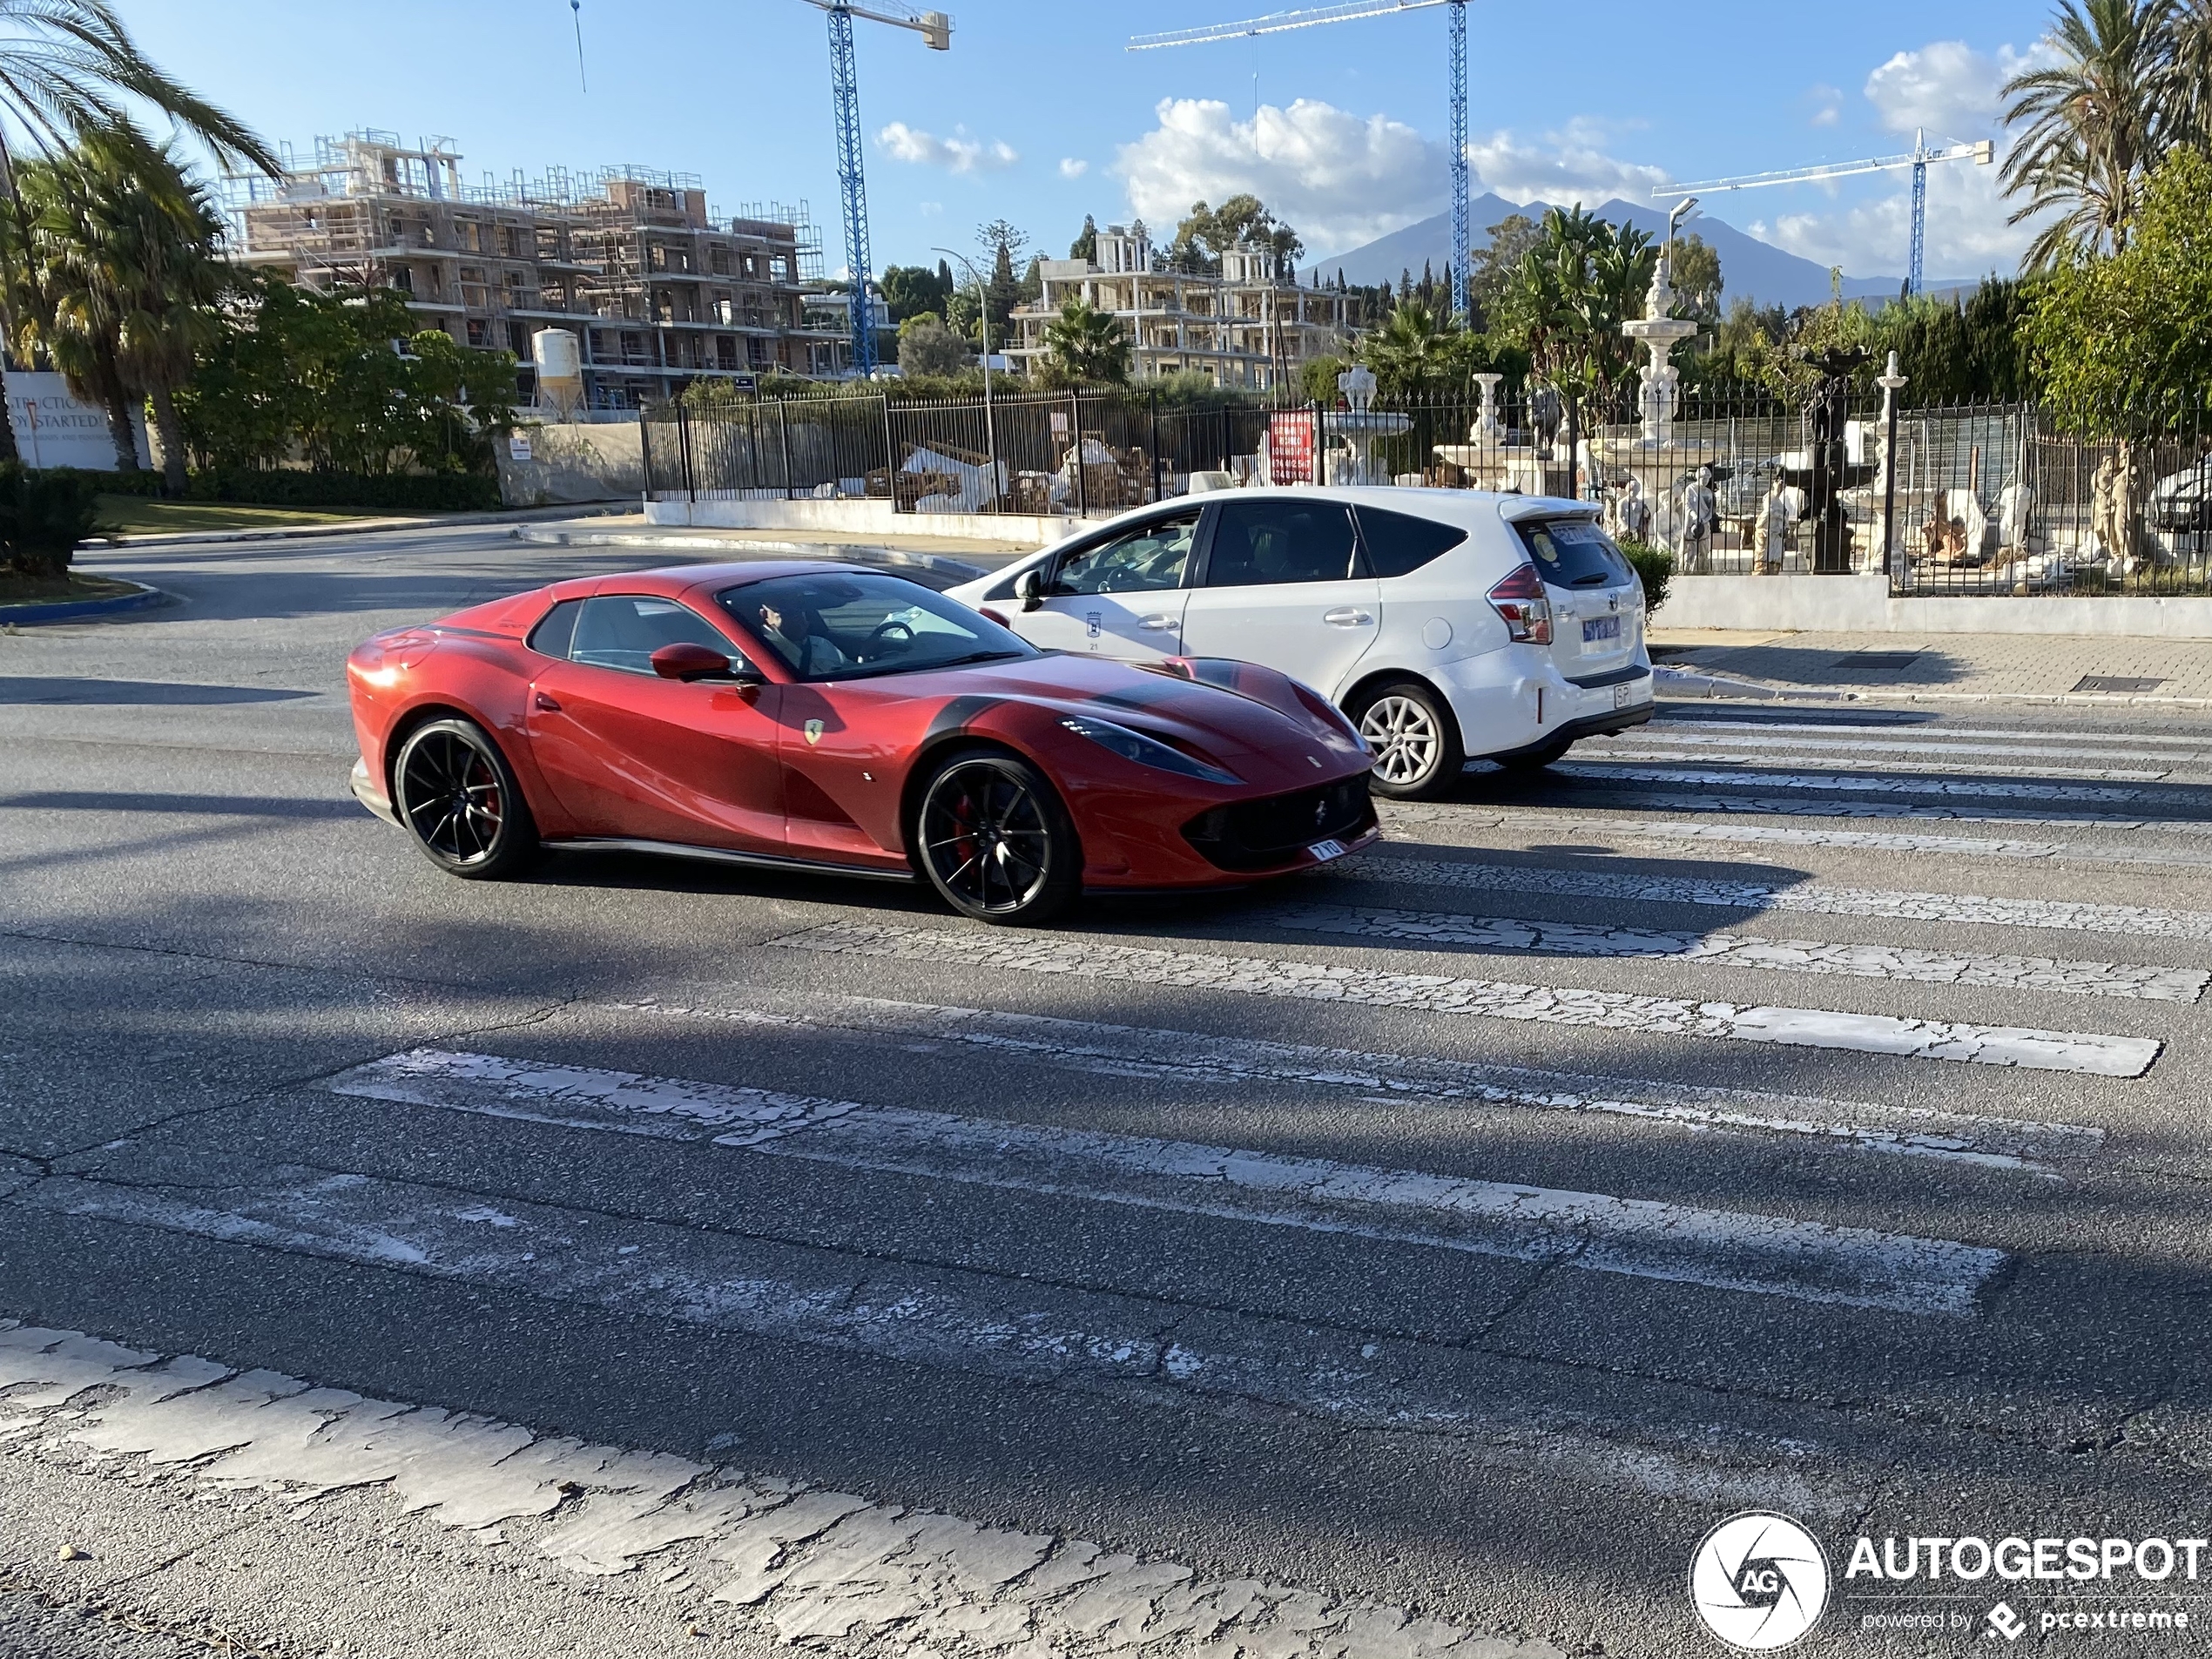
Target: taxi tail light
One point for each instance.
(1520, 602)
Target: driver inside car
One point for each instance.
(799, 638)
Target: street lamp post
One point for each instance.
(983, 310)
(1892, 382)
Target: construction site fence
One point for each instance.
(1964, 499)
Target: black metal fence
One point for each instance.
(1985, 499)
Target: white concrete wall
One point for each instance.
(1862, 604)
(573, 462)
(861, 519)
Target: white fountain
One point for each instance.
(1654, 455)
(1360, 424)
(1487, 461)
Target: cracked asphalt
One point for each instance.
(1266, 1260)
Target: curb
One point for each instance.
(76, 609)
(943, 564)
(357, 527)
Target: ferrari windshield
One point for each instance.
(847, 624)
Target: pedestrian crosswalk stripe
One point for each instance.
(1863, 741)
(1918, 730)
(1782, 806)
(2040, 1050)
(1864, 784)
(1887, 756)
(1201, 1057)
(1722, 1250)
(1813, 898)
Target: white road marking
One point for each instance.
(1671, 724)
(1723, 1250)
(1450, 930)
(2039, 1051)
(1864, 739)
(1123, 1346)
(1864, 784)
(1192, 1056)
(1889, 758)
(1781, 805)
(1814, 898)
(810, 1566)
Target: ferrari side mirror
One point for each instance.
(1029, 587)
(688, 661)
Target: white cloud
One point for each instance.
(1340, 178)
(958, 153)
(1566, 166)
(1826, 104)
(1946, 86)
(1071, 167)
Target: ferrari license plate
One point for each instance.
(1324, 851)
(1599, 629)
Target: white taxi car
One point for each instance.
(1447, 624)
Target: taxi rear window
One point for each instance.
(1574, 553)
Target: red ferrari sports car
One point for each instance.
(829, 717)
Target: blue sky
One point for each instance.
(1039, 114)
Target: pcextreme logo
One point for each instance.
(1759, 1581)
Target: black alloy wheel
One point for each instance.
(458, 797)
(995, 840)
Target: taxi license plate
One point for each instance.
(1600, 628)
(1624, 694)
(1324, 851)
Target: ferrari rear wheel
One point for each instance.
(458, 797)
(995, 840)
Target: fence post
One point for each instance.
(1224, 438)
(645, 450)
(1076, 424)
(683, 443)
(1156, 442)
(783, 434)
(890, 460)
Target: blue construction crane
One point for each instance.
(1919, 159)
(1279, 21)
(937, 31)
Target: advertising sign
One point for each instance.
(1290, 448)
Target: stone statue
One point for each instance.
(2112, 512)
(1633, 513)
(1776, 513)
(1357, 385)
(1544, 412)
(1700, 518)
(2014, 503)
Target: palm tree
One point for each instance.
(1416, 353)
(67, 69)
(2187, 94)
(2096, 121)
(1086, 345)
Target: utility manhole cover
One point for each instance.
(1880, 661)
(2116, 683)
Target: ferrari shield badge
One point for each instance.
(814, 732)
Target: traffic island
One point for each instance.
(72, 598)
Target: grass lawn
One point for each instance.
(142, 516)
(21, 590)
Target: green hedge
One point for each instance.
(435, 492)
(1655, 567)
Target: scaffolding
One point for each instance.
(660, 288)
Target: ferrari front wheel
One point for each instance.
(457, 796)
(993, 839)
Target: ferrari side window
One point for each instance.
(551, 635)
(1146, 560)
(622, 631)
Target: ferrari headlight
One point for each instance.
(1145, 751)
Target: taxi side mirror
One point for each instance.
(1029, 587)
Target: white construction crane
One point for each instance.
(937, 31)
(1350, 10)
(1919, 159)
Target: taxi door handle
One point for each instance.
(1157, 621)
(1346, 616)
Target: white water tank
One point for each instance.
(559, 361)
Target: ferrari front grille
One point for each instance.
(1260, 834)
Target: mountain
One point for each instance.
(1749, 269)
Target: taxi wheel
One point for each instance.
(1418, 754)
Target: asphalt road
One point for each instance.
(1783, 1110)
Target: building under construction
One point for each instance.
(658, 289)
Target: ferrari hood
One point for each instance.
(1191, 715)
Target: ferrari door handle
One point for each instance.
(545, 702)
(1346, 616)
(1157, 623)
